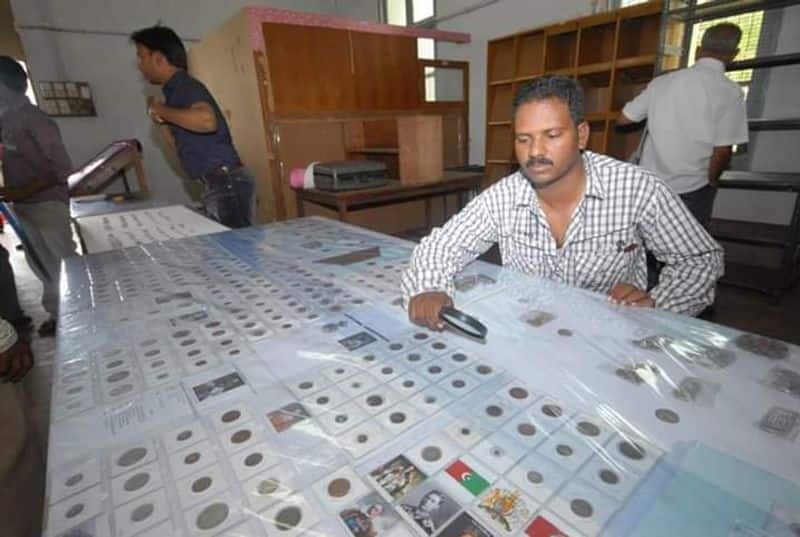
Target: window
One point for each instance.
(751, 24)
(407, 12)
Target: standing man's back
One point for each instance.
(694, 117)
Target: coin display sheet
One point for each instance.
(241, 383)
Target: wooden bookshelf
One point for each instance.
(613, 56)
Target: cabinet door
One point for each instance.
(310, 68)
(386, 72)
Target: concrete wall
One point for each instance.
(495, 20)
(88, 41)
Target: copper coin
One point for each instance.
(339, 487)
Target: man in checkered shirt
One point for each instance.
(570, 215)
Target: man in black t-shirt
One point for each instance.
(193, 126)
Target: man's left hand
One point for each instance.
(626, 294)
(154, 106)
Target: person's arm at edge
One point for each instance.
(720, 158)
(693, 260)
(199, 117)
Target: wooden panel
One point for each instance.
(530, 61)
(561, 51)
(499, 143)
(421, 153)
(639, 36)
(501, 60)
(597, 44)
(596, 91)
(310, 68)
(226, 64)
(385, 71)
(304, 142)
(453, 134)
(500, 100)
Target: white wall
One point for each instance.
(495, 20)
(83, 51)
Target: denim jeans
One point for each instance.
(228, 198)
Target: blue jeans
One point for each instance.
(228, 198)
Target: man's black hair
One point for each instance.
(562, 88)
(12, 75)
(164, 40)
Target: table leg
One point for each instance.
(428, 213)
(301, 208)
(342, 211)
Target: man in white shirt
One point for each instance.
(572, 216)
(694, 117)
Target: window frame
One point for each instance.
(427, 22)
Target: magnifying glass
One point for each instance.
(463, 323)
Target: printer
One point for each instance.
(349, 174)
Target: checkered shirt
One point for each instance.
(625, 211)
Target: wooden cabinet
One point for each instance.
(612, 55)
(290, 83)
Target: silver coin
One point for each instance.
(288, 518)
(74, 511)
(253, 459)
(136, 482)
(631, 450)
(535, 477)
(667, 416)
(241, 436)
(609, 477)
(374, 400)
(212, 516)
(132, 456)
(588, 428)
(581, 508)
(202, 484)
(142, 512)
(494, 411)
(397, 417)
(564, 450)
(73, 480)
(553, 411)
(268, 487)
(431, 453)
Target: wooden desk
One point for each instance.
(460, 183)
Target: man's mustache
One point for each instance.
(533, 161)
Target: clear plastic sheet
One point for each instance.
(266, 382)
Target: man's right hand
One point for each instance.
(424, 309)
(16, 362)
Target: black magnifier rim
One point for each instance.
(463, 322)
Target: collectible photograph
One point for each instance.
(217, 386)
(371, 516)
(398, 476)
(465, 526)
(429, 507)
(356, 341)
(287, 416)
